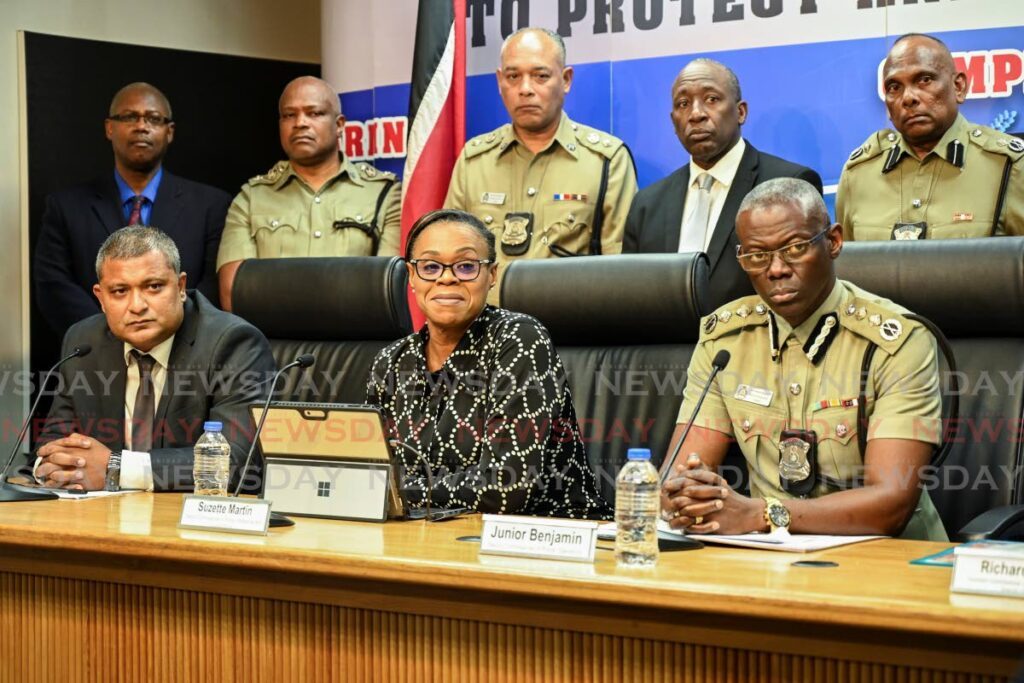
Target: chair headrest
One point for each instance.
(611, 300)
(331, 299)
(968, 287)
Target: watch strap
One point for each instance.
(112, 480)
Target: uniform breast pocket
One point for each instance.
(839, 455)
(567, 224)
(275, 235)
(758, 430)
(961, 229)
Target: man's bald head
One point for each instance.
(139, 88)
(330, 95)
(537, 34)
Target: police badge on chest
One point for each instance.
(515, 238)
(798, 461)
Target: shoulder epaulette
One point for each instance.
(597, 141)
(995, 142)
(485, 142)
(368, 172)
(271, 176)
(734, 316)
(877, 143)
(886, 326)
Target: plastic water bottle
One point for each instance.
(636, 510)
(212, 460)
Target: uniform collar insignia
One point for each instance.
(955, 153)
(894, 158)
(821, 337)
(773, 336)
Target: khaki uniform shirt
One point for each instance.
(953, 190)
(757, 396)
(497, 176)
(278, 215)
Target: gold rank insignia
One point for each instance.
(710, 323)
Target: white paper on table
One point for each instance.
(64, 495)
(780, 540)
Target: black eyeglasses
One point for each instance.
(133, 117)
(759, 261)
(466, 270)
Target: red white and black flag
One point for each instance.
(437, 107)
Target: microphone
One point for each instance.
(717, 365)
(303, 361)
(10, 495)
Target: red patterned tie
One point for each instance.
(136, 216)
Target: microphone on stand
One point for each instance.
(303, 361)
(717, 365)
(7, 493)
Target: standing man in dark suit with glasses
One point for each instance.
(77, 220)
(694, 208)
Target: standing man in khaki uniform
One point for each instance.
(545, 185)
(318, 203)
(937, 176)
(792, 396)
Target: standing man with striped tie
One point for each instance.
(138, 191)
(694, 208)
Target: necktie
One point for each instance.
(135, 218)
(142, 417)
(694, 230)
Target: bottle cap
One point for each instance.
(638, 454)
(212, 426)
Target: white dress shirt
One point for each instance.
(724, 173)
(136, 466)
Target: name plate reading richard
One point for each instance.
(539, 537)
(220, 513)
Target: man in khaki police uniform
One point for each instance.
(545, 185)
(790, 395)
(937, 176)
(318, 203)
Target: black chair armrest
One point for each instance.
(994, 524)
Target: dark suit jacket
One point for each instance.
(656, 215)
(78, 219)
(219, 364)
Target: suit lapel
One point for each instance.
(106, 206)
(168, 204)
(746, 178)
(675, 205)
(179, 361)
(111, 400)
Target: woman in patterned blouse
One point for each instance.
(479, 392)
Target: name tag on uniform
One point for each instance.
(496, 198)
(757, 395)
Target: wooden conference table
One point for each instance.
(110, 589)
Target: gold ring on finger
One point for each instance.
(698, 520)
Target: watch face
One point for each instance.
(779, 515)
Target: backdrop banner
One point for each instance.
(809, 69)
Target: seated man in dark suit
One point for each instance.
(139, 191)
(163, 361)
(694, 208)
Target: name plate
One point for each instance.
(539, 537)
(221, 513)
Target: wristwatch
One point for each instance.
(112, 480)
(776, 514)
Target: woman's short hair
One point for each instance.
(451, 216)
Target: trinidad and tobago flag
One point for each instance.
(437, 111)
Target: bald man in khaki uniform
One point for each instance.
(937, 176)
(546, 185)
(317, 203)
(791, 393)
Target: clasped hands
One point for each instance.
(701, 501)
(73, 462)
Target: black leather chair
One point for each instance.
(625, 328)
(974, 291)
(341, 310)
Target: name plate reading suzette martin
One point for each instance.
(539, 537)
(220, 513)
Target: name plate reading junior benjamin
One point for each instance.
(221, 513)
(550, 539)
